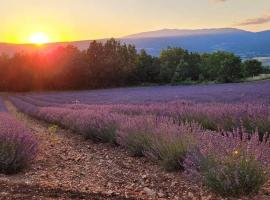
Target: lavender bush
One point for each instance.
(17, 145)
(236, 175)
(100, 127)
(3, 107)
(231, 164)
(158, 139)
(136, 133)
(172, 143)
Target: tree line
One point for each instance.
(112, 64)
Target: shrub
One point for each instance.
(17, 146)
(202, 118)
(233, 176)
(137, 143)
(170, 153)
(54, 115)
(101, 132)
(171, 144)
(157, 138)
(231, 164)
(135, 134)
(99, 127)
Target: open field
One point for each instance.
(224, 93)
(144, 143)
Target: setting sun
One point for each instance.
(39, 38)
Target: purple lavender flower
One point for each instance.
(3, 107)
(17, 146)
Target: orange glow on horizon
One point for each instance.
(45, 31)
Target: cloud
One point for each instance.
(255, 21)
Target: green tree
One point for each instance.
(148, 68)
(252, 68)
(169, 59)
(188, 69)
(230, 69)
(221, 66)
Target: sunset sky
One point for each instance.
(69, 20)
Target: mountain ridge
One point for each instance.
(241, 42)
(185, 32)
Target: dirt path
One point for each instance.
(68, 167)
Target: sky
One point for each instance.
(72, 20)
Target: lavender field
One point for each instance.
(179, 128)
(224, 93)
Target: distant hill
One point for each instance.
(185, 32)
(243, 43)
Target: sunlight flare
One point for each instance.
(39, 38)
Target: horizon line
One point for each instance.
(126, 36)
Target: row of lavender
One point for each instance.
(17, 145)
(222, 93)
(239, 166)
(213, 116)
(3, 107)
